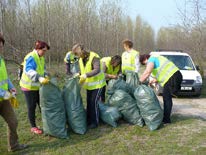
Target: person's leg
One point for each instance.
(31, 105)
(7, 112)
(103, 94)
(167, 101)
(94, 109)
(89, 100)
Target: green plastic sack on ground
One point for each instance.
(53, 111)
(75, 112)
(119, 84)
(149, 106)
(109, 115)
(127, 107)
(132, 78)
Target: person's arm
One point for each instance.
(137, 64)
(147, 72)
(10, 85)
(10, 88)
(30, 69)
(2, 93)
(95, 67)
(66, 58)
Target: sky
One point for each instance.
(157, 13)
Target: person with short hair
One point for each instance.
(93, 80)
(167, 74)
(112, 68)
(130, 58)
(6, 110)
(33, 75)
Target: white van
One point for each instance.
(192, 80)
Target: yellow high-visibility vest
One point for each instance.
(25, 81)
(110, 69)
(165, 70)
(3, 77)
(128, 60)
(71, 57)
(94, 82)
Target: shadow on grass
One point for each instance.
(52, 143)
(176, 118)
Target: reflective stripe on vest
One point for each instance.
(95, 82)
(3, 76)
(128, 60)
(164, 71)
(25, 81)
(110, 69)
(33, 84)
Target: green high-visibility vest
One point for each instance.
(165, 70)
(3, 77)
(94, 82)
(110, 69)
(128, 60)
(25, 81)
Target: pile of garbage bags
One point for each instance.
(137, 103)
(62, 110)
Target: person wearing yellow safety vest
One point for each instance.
(112, 68)
(130, 58)
(6, 110)
(167, 74)
(93, 80)
(69, 59)
(33, 75)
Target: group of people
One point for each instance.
(94, 74)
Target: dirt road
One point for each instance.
(189, 106)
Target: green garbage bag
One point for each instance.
(75, 112)
(109, 115)
(120, 84)
(52, 110)
(74, 67)
(127, 107)
(149, 106)
(132, 78)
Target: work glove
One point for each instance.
(7, 95)
(14, 102)
(76, 75)
(82, 78)
(43, 80)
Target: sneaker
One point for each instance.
(18, 147)
(36, 130)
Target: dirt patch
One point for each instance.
(195, 107)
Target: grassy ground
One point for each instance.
(186, 135)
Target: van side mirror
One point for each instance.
(197, 67)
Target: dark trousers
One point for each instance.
(93, 96)
(7, 112)
(172, 86)
(68, 68)
(32, 100)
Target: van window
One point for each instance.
(183, 62)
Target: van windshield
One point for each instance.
(181, 61)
